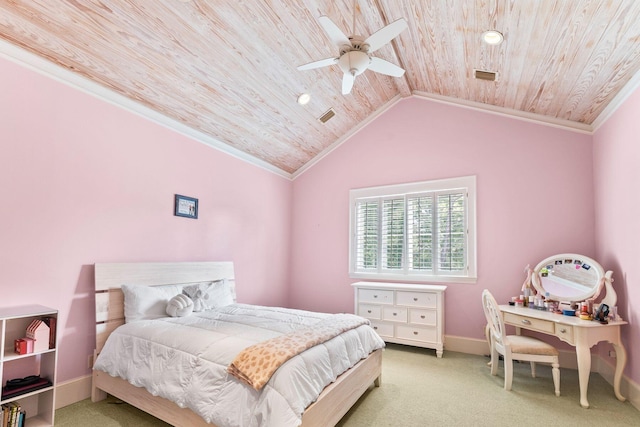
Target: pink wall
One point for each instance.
(534, 188)
(617, 208)
(85, 182)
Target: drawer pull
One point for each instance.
(526, 322)
(395, 314)
(563, 331)
(369, 311)
(423, 316)
(375, 296)
(375, 327)
(415, 333)
(415, 299)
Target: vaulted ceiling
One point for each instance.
(225, 71)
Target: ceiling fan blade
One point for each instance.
(335, 34)
(386, 34)
(347, 83)
(317, 64)
(379, 65)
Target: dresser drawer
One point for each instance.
(385, 330)
(422, 317)
(370, 311)
(379, 296)
(565, 333)
(416, 299)
(530, 323)
(416, 333)
(394, 314)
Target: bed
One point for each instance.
(332, 403)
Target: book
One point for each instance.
(51, 323)
(5, 415)
(13, 416)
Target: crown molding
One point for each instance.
(508, 112)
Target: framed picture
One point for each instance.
(186, 206)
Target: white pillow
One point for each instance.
(147, 302)
(210, 295)
(180, 306)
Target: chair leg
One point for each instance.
(555, 371)
(508, 372)
(495, 360)
(487, 335)
(533, 369)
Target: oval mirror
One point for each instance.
(569, 277)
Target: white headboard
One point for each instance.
(109, 277)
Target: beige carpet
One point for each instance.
(419, 389)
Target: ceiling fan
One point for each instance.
(355, 51)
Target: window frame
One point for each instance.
(467, 183)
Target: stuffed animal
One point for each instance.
(180, 306)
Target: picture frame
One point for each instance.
(186, 206)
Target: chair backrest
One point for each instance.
(494, 319)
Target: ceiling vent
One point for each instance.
(485, 75)
(327, 116)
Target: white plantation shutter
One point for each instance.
(392, 233)
(426, 232)
(367, 233)
(420, 233)
(451, 232)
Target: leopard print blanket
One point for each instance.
(256, 364)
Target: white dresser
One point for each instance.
(404, 313)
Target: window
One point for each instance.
(422, 231)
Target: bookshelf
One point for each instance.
(39, 405)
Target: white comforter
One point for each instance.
(185, 360)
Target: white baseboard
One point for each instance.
(80, 388)
(481, 347)
(466, 345)
(73, 391)
(628, 388)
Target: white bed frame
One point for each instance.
(334, 401)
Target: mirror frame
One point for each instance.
(537, 282)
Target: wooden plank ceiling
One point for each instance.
(227, 68)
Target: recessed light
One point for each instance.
(304, 99)
(492, 37)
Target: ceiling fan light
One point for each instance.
(304, 98)
(492, 37)
(354, 62)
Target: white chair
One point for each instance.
(516, 347)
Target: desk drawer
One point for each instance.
(530, 323)
(377, 296)
(370, 311)
(565, 333)
(417, 299)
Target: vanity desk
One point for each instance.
(572, 280)
(582, 334)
